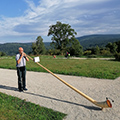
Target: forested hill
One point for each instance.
(12, 48)
(100, 40)
(85, 41)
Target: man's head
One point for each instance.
(20, 50)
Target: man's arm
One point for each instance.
(27, 59)
(19, 60)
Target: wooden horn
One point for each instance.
(104, 104)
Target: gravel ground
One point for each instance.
(48, 91)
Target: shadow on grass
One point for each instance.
(51, 98)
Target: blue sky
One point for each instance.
(24, 20)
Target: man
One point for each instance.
(21, 59)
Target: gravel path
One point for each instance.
(47, 91)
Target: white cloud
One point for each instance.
(86, 17)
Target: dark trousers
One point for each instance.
(21, 72)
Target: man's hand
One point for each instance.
(22, 54)
(25, 56)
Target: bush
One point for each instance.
(105, 52)
(2, 54)
(92, 56)
(54, 52)
(87, 52)
(117, 56)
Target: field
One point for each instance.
(12, 108)
(105, 69)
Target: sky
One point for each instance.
(24, 20)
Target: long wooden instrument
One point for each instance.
(104, 104)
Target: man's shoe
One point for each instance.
(25, 89)
(20, 90)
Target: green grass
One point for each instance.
(13, 108)
(78, 67)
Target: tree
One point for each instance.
(117, 56)
(112, 46)
(62, 35)
(118, 46)
(97, 50)
(38, 47)
(76, 49)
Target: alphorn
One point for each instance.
(104, 104)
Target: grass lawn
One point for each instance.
(13, 108)
(78, 67)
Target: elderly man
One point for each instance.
(21, 59)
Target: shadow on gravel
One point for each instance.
(8, 88)
(51, 98)
(64, 101)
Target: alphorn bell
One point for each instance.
(104, 104)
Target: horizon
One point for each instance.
(75, 37)
(25, 20)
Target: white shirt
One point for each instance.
(22, 62)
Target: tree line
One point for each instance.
(101, 40)
(64, 41)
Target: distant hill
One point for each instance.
(86, 41)
(100, 40)
(12, 48)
